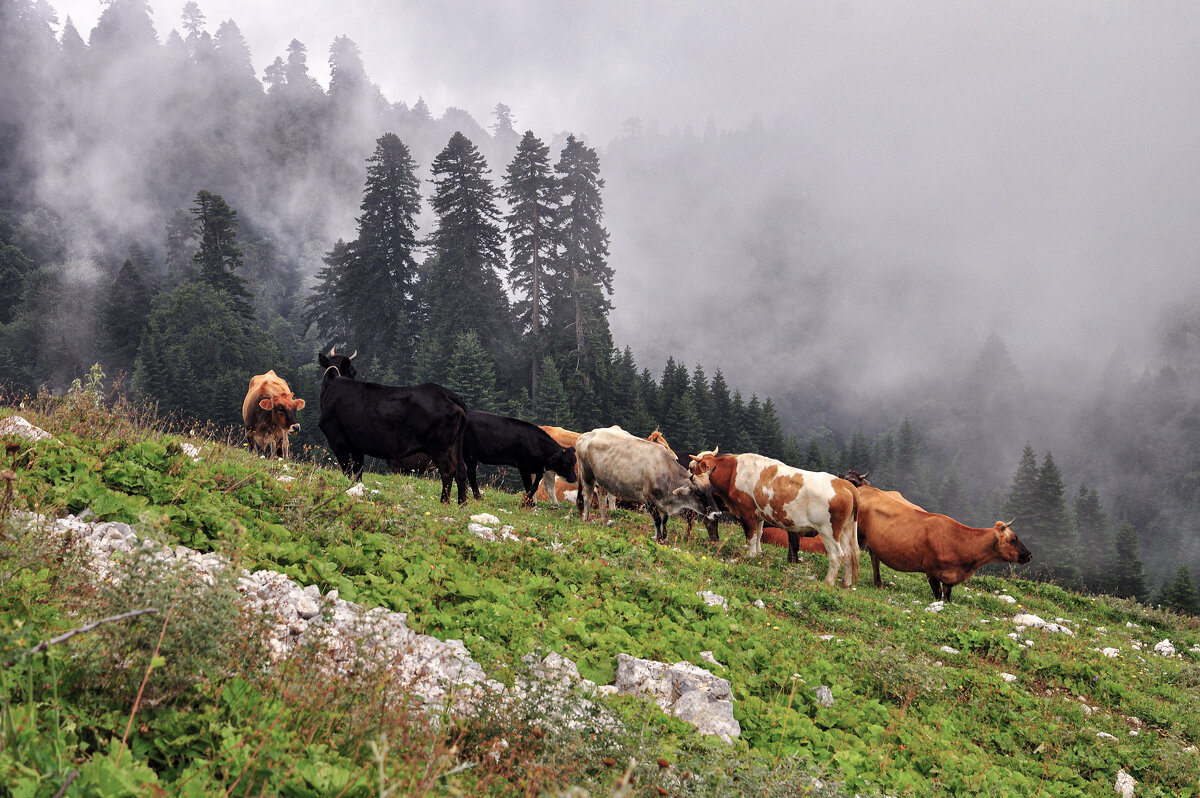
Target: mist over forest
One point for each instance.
(744, 248)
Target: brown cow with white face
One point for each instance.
(269, 412)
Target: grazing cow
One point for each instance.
(391, 422)
(499, 440)
(635, 470)
(563, 491)
(906, 538)
(269, 412)
(755, 489)
(550, 490)
(418, 464)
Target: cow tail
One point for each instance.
(862, 543)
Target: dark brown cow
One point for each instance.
(757, 489)
(269, 412)
(774, 536)
(906, 538)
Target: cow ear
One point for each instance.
(322, 360)
(682, 489)
(265, 403)
(299, 404)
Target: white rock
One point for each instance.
(1163, 648)
(759, 603)
(712, 599)
(824, 696)
(1008, 677)
(1026, 619)
(1124, 784)
(486, 519)
(707, 656)
(1007, 599)
(285, 478)
(684, 690)
(1105, 736)
(358, 489)
(190, 450)
(306, 608)
(16, 425)
(949, 650)
(936, 606)
(483, 532)
(1111, 653)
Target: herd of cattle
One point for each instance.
(426, 426)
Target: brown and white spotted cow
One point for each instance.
(269, 412)
(757, 489)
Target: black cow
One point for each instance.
(391, 422)
(499, 440)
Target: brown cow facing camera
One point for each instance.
(269, 412)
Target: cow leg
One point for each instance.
(875, 568)
(711, 525)
(548, 486)
(793, 546)
(283, 447)
(834, 549)
(936, 585)
(850, 552)
(473, 476)
(946, 591)
(530, 480)
(660, 524)
(753, 538)
(356, 466)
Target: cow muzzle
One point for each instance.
(292, 430)
(713, 515)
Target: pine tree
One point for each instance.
(220, 256)
(124, 312)
(472, 375)
(580, 306)
(907, 479)
(1180, 593)
(324, 306)
(14, 266)
(1050, 528)
(706, 407)
(1095, 541)
(532, 192)
(770, 432)
(682, 426)
(554, 407)
(1021, 501)
(675, 383)
(461, 288)
(1130, 578)
(722, 424)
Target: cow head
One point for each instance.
(657, 437)
(282, 408)
(703, 463)
(562, 461)
(856, 479)
(1009, 546)
(697, 495)
(343, 364)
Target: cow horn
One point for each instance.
(1010, 523)
(333, 351)
(354, 355)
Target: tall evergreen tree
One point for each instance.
(472, 374)
(1095, 541)
(771, 440)
(1050, 528)
(220, 256)
(682, 426)
(1180, 593)
(462, 289)
(554, 407)
(721, 425)
(706, 407)
(1022, 496)
(532, 192)
(124, 312)
(581, 305)
(1130, 578)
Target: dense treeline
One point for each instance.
(166, 213)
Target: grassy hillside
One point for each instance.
(920, 704)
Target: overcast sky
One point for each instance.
(1037, 162)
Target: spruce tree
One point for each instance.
(532, 192)
(722, 424)
(580, 306)
(682, 426)
(220, 255)
(771, 440)
(706, 407)
(124, 312)
(1129, 581)
(1022, 496)
(1050, 527)
(1180, 593)
(461, 289)
(1095, 541)
(472, 375)
(554, 407)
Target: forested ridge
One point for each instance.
(185, 222)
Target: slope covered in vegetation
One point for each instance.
(179, 702)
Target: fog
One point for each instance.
(836, 194)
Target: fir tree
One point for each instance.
(581, 306)
(124, 312)
(770, 432)
(1180, 593)
(1022, 496)
(1130, 578)
(554, 407)
(462, 289)
(682, 426)
(220, 255)
(532, 192)
(1050, 527)
(721, 425)
(1095, 541)
(472, 375)
(706, 407)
